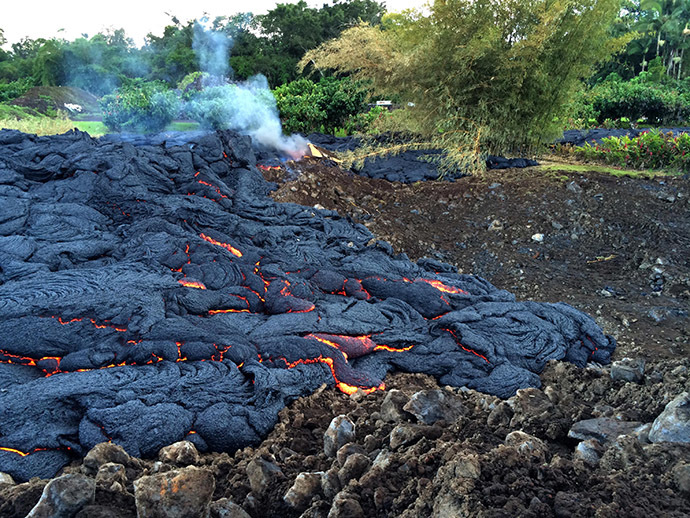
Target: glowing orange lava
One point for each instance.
(192, 284)
(228, 247)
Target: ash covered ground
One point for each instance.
(477, 455)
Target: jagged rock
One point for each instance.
(330, 483)
(642, 433)
(673, 424)
(104, 453)
(622, 454)
(225, 508)
(6, 479)
(628, 369)
(429, 406)
(345, 506)
(681, 476)
(392, 406)
(347, 450)
(112, 475)
(602, 429)
(175, 494)
(303, 489)
(500, 415)
(262, 474)
(404, 434)
(339, 432)
(181, 453)
(65, 496)
(589, 451)
(527, 445)
(354, 467)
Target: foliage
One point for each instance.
(497, 72)
(650, 150)
(640, 99)
(306, 106)
(139, 106)
(14, 89)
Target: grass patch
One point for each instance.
(98, 129)
(93, 128)
(38, 125)
(553, 167)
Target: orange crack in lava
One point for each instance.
(439, 285)
(26, 454)
(192, 284)
(343, 387)
(105, 324)
(465, 348)
(354, 346)
(228, 247)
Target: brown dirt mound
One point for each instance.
(45, 99)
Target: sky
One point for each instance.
(69, 19)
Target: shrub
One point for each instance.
(9, 91)
(655, 103)
(306, 106)
(650, 150)
(140, 106)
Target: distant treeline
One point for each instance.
(269, 44)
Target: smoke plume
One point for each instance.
(247, 107)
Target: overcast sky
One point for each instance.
(69, 19)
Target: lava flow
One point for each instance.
(214, 316)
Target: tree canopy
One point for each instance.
(489, 71)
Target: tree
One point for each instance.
(482, 74)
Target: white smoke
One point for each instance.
(247, 107)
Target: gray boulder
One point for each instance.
(64, 497)
(673, 424)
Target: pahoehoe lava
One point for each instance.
(153, 292)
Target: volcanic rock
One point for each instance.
(225, 508)
(527, 445)
(306, 485)
(603, 429)
(112, 476)
(392, 406)
(429, 406)
(6, 479)
(354, 467)
(348, 449)
(104, 453)
(175, 494)
(181, 453)
(589, 451)
(64, 497)
(345, 506)
(262, 475)
(628, 369)
(406, 434)
(340, 432)
(681, 476)
(673, 424)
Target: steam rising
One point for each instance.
(246, 107)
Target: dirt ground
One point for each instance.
(617, 248)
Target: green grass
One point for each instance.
(93, 128)
(583, 168)
(38, 125)
(98, 129)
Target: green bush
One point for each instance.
(14, 89)
(328, 105)
(637, 100)
(650, 150)
(140, 106)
